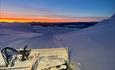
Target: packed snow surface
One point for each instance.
(93, 48)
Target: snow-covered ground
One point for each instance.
(17, 35)
(93, 47)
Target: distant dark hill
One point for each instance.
(66, 24)
(25, 26)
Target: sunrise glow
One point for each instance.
(54, 11)
(13, 17)
(41, 20)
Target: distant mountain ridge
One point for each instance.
(67, 24)
(43, 24)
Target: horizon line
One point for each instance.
(50, 20)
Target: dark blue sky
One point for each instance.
(59, 8)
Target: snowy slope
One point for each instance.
(17, 27)
(15, 32)
(18, 35)
(93, 47)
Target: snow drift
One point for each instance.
(93, 47)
